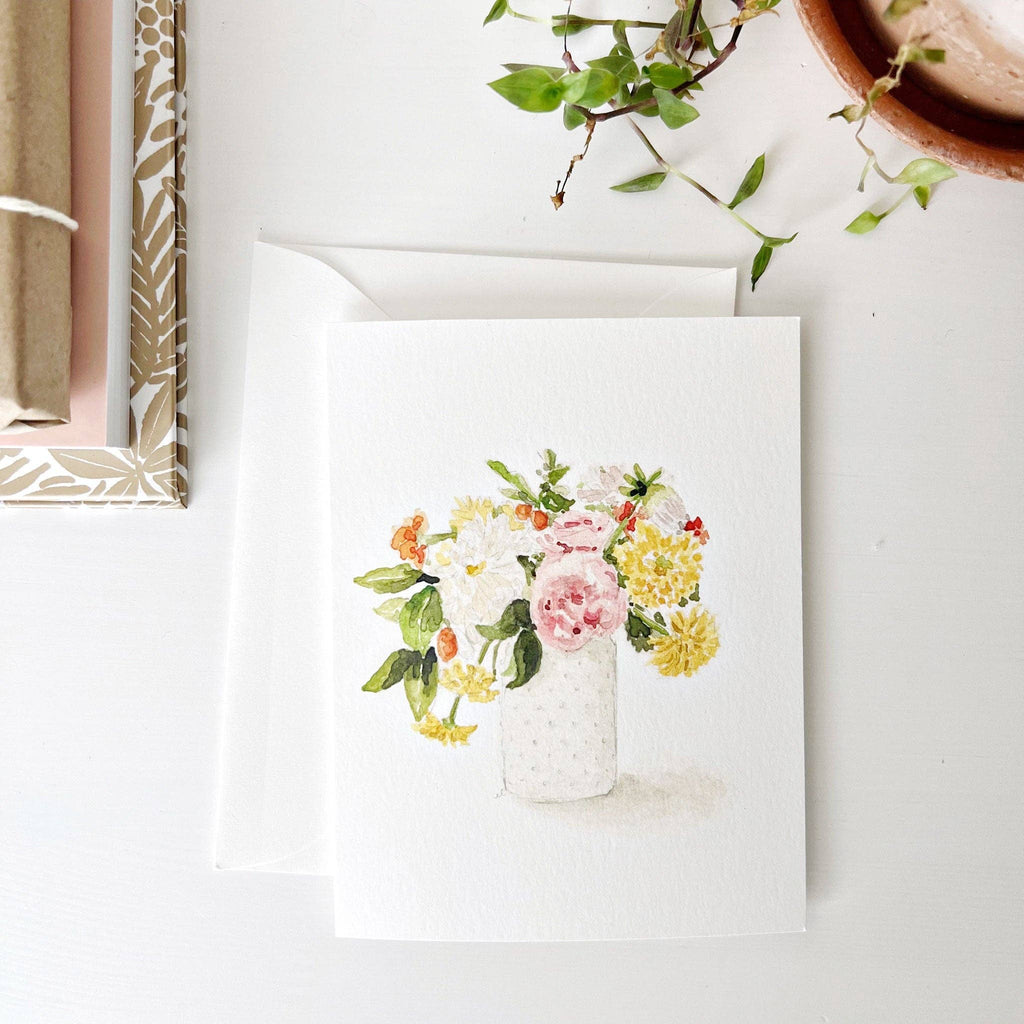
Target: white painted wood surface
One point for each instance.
(113, 634)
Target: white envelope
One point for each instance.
(276, 779)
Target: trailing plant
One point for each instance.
(662, 80)
(919, 176)
(659, 81)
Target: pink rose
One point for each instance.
(578, 531)
(575, 598)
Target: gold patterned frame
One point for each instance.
(153, 471)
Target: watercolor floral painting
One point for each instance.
(579, 711)
(527, 591)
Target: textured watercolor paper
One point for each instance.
(275, 803)
(617, 789)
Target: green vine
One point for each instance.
(663, 79)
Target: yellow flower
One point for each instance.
(660, 568)
(467, 509)
(509, 512)
(472, 681)
(692, 642)
(450, 735)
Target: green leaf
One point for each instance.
(638, 632)
(706, 37)
(850, 113)
(760, 265)
(499, 10)
(673, 111)
(922, 194)
(572, 118)
(668, 76)
(913, 53)
(645, 183)
(394, 669)
(898, 8)
(521, 487)
(674, 38)
(391, 608)
(514, 618)
(569, 25)
(554, 501)
(526, 657)
(421, 618)
(590, 88)
(529, 567)
(925, 171)
(619, 32)
(392, 580)
(749, 184)
(865, 222)
(645, 91)
(421, 685)
(552, 71)
(532, 89)
(623, 68)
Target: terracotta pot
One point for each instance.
(926, 116)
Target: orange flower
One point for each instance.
(447, 644)
(405, 540)
(540, 519)
(523, 511)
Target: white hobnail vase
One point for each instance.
(558, 731)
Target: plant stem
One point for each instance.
(721, 204)
(899, 202)
(450, 720)
(623, 523)
(436, 538)
(657, 627)
(729, 48)
(563, 19)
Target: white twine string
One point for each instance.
(15, 205)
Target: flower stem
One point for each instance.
(623, 523)
(450, 720)
(436, 538)
(657, 627)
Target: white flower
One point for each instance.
(666, 510)
(601, 486)
(478, 574)
(663, 506)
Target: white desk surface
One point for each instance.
(913, 374)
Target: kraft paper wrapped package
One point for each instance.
(35, 252)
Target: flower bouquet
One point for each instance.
(532, 588)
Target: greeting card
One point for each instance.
(566, 572)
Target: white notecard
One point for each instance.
(701, 830)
